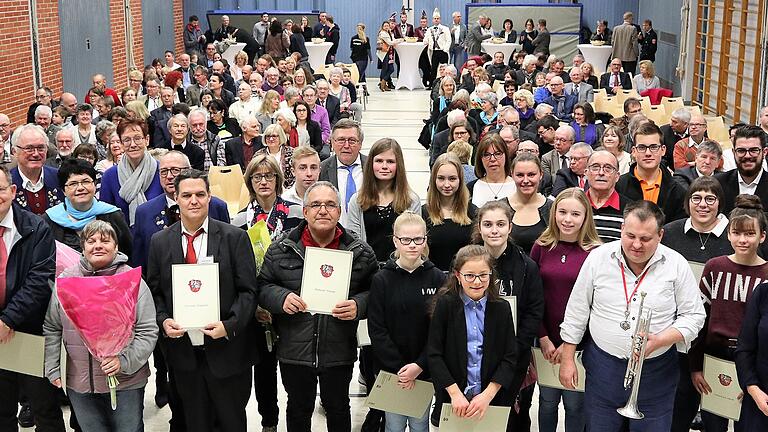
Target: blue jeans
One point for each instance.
(549, 399)
(458, 57)
(362, 65)
(605, 391)
(387, 69)
(94, 411)
(397, 422)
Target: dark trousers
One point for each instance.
(177, 421)
(521, 421)
(629, 67)
(605, 391)
(425, 68)
(41, 395)
(208, 399)
(300, 384)
(387, 69)
(265, 382)
(686, 398)
(438, 57)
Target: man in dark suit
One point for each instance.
(676, 130)
(37, 186)
(178, 126)
(240, 150)
(28, 268)
(187, 69)
(573, 175)
(159, 134)
(329, 102)
(748, 177)
(648, 41)
(709, 155)
(615, 80)
(211, 366)
(345, 169)
(403, 29)
(224, 30)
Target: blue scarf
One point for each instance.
(68, 216)
(485, 119)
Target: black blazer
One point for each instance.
(564, 179)
(447, 349)
(669, 139)
(315, 135)
(685, 176)
(730, 182)
(238, 293)
(233, 149)
(605, 81)
(332, 105)
(195, 154)
(671, 194)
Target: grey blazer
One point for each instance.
(586, 92)
(551, 162)
(329, 169)
(474, 38)
(462, 35)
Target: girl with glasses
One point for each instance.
(560, 252)
(398, 317)
(304, 122)
(518, 277)
(472, 349)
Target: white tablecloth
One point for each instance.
(231, 52)
(597, 56)
(317, 53)
(409, 53)
(507, 48)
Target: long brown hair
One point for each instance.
(460, 205)
(477, 237)
(747, 214)
(368, 196)
(587, 237)
(453, 285)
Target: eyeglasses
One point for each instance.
(654, 148)
(753, 151)
(532, 151)
(259, 177)
(33, 149)
(271, 136)
(471, 277)
(595, 168)
(697, 124)
(76, 184)
(174, 171)
(496, 155)
(135, 140)
(407, 240)
(328, 206)
(350, 141)
(455, 133)
(577, 158)
(709, 199)
(301, 110)
(560, 139)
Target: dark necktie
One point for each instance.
(178, 147)
(563, 162)
(172, 214)
(191, 257)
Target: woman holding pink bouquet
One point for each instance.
(114, 313)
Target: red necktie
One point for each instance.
(581, 182)
(616, 81)
(3, 266)
(191, 257)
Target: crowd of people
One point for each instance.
(531, 196)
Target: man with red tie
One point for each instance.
(615, 80)
(211, 366)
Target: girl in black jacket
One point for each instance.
(472, 347)
(519, 278)
(398, 319)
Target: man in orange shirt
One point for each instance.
(646, 180)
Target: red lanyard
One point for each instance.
(627, 296)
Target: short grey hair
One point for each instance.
(97, 227)
(511, 129)
(681, 114)
(582, 146)
(248, 119)
(710, 146)
(103, 126)
(308, 87)
(530, 58)
(176, 153)
(197, 111)
(65, 130)
(29, 127)
(492, 98)
(568, 129)
(543, 109)
(287, 114)
(462, 95)
(290, 92)
(43, 110)
(454, 116)
(178, 117)
(450, 69)
(322, 183)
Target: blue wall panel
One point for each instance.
(610, 10)
(665, 15)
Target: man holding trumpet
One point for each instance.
(615, 282)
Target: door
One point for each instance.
(86, 44)
(157, 26)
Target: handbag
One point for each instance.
(425, 137)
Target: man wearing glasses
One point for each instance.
(575, 174)
(316, 347)
(646, 180)
(37, 186)
(748, 177)
(563, 138)
(345, 169)
(607, 204)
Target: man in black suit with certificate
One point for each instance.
(211, 366)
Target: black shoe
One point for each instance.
(161, 393)
(391, 85)
(697, 424)
(26, 418)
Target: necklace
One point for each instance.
(496, 193)
(704, 242)
(625, 324)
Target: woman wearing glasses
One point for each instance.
(276, 146)
(77, 178)
(305, 123)
(220, 124)
(494, 180)
(530, 208)
(134, 180)
(398, 312)
(519, 278)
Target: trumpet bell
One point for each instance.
(630, 411)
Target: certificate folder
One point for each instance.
(195, 294)
(25, 354)
(325, 280)
(495, 420)
(388, 396)
(549, 374)
(724, 398)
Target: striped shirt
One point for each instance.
(609, 217)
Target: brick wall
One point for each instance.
(178, 27)
(119, 49)
(16, 59)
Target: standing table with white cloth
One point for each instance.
(230, 53)
(596, 55)
(409, 53)
(507, 48)
(317, 53)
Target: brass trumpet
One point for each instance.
(635, 363)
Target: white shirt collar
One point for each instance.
(169, 202)
(7, 221)
(616, 253)
(722, 224)
(341, 166)
(204, 226)
(29, 184)
(741, 181)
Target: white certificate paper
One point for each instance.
(388, 396)
(25, 354)
(495, 420)
(325, 281)
(549, 374)
(512, 300)
(697, 269)
(195, 294)
(724, 398)
(363, 338)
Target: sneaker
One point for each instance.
(26, 418)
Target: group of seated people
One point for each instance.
(524, 200)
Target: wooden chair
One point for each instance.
(716, 129)
(227, 183)
(671, 104)
(623, 95)
(658, 114)
(645, 101)
(600, 92)
(605, 104)
(694, 109)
